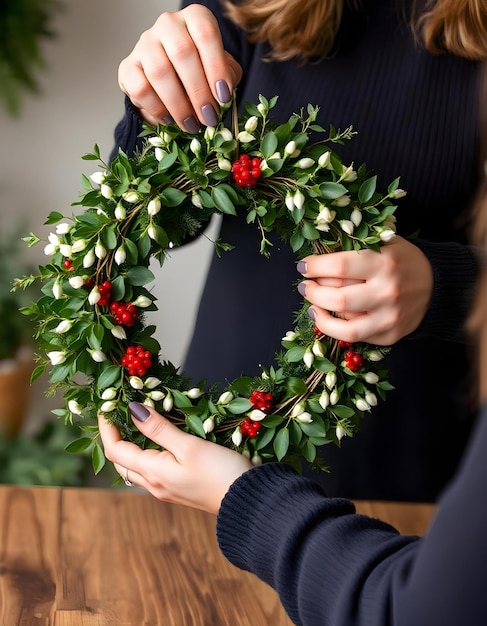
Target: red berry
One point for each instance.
(249, 428)
(246, 171)
(353, 360)
(261, 400)
(68, 264)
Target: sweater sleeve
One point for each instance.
(455, 270)
(126, 136)
(333, 567)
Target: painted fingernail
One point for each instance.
(191, 125)
(311, 313)
(302, 267)
(168, 119)
(222, 91)
(139, 411)
(209, 115)
(302, 289)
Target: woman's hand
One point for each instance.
(179, 70)
(189, 471)
(376, 297)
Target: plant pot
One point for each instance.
(15, 391)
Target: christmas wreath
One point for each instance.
(91, 328)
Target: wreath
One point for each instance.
(91, 328)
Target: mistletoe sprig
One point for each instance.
(91, 318)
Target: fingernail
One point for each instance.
(311, 313)
(191, 125)
(302, 289)
(139, 411)
(222, 91)
(209, 115)
(168, 119)
(302, 267)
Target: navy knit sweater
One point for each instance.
(416, 117)
(332, 567)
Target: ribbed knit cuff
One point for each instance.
(127, 131)
(257, 514)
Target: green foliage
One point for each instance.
(40, 459)
(140, 207)
(24, 24)
(15, 328)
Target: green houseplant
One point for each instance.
(16, 354)
(24, 24)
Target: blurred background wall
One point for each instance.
(79, 105)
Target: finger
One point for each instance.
(133, 82)
(160, 430)
(364, 327)
(337, 282)
(341, 266)
(201, 74)
(354, 298)
(126, 455)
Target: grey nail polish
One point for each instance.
(311, 313)
(222, 91)
(209, 115)
(191, 125)
(302, 267)
(139, 411)
(302, 289)
(168, 119)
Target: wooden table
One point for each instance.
(96, 557)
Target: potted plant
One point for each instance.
(16, 353)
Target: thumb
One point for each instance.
(157, 428)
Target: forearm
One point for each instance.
(331, 566)
(455, 270)
(328, 565)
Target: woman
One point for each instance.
(406, 78)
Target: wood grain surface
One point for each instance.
(96, 557)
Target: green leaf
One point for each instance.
(310, 232)
(281, 443)
(79, 445)
(342, 411)
(109, 237)
(195, 425)
(222, 201)
(54, 217)
(265, 436)
(109, 376)
(269, 144)
(314, 429)
(118, 288)
(131, 250)
(332, 191)
(38, 371)
(295, 386)
(181, 400)
(297, 240)
(160, 236)
(98, 458)
(367, 189)
(139, 276)
(295, 354)
(172, 196)
(239, 405)
(309, 452)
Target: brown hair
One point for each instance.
(478, 319)
(307, 29)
